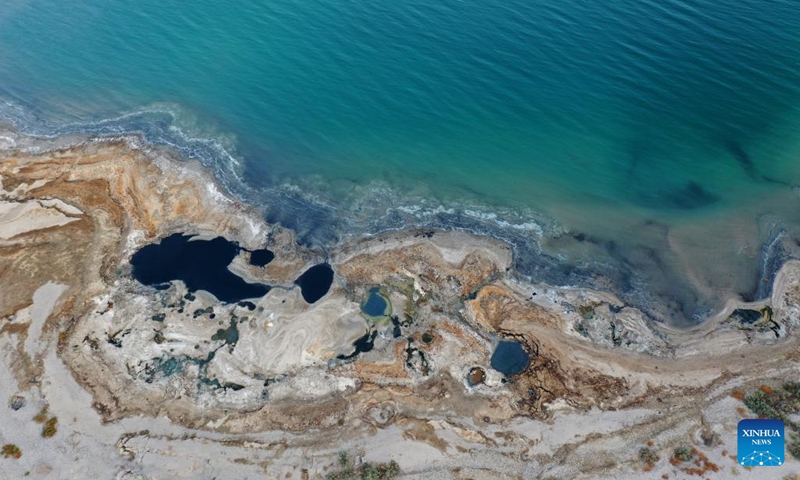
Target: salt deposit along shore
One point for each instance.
(137, 382)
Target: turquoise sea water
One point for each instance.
(655, 143)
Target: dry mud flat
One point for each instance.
(152, 384)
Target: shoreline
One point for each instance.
(166, 158)
(663, 278)
(601, 371)
(674, 281)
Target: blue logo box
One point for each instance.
(761, 443)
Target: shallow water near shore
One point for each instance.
(645, 148)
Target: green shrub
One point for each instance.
(581, 328)
(792, 388)
(49, 428)
(586, 311)
(365, 471)
(41, 417)
(794, 446)
(380, 471)
(11, 450)
(684, 453)
(757, 403)
(648, 455)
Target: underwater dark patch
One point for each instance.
(691, 197)
(736, 150)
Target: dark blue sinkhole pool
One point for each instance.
(261, 258)
(509, 358)
(315, 282)
(200, 264)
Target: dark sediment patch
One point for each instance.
(416, 359)
(736, 150)
(200, 264)
(759, 320)
(584, 238)
(315, 282)
(228, 335)
(638, 152)
(641, 276)
(691, 197)
(509, 358)
(163, 367)
(746, 316)
(748, 165)
(362, 345)
(261, 258)
(313, 224)
(397, 332)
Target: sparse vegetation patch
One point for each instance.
(11, 451)
(348, 470)
(780, 403)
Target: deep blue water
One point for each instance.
(315, 282)
(509, 358)
(200, 264)
(261, 258)
(616, 144)
(375, 306)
